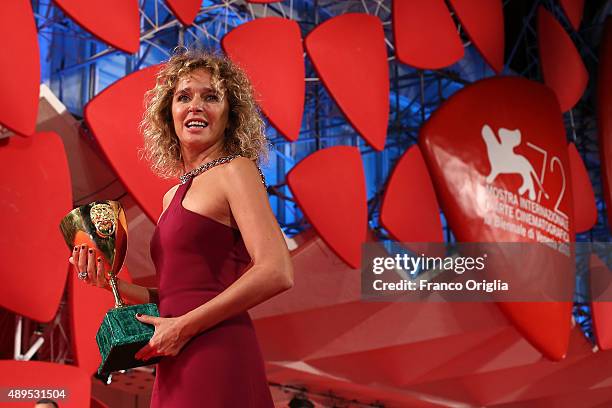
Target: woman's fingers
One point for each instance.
(79, 259)
(85, 262)
(80, 264)
(145, 353)
(91, 265)
(100, 275)
(74, 257)
(82, 261)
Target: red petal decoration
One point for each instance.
(504, 137)
(36, 195)
(185, 10)
(562, 65)
(425, 34)
(483, 21)
(467, 353)
(19, 67)
(115, 22)
(39, 375)
(114, 116)
(88, 306)
(604, 114)
(317, 318)
(329, 186)
(573, 10)
(349, 54)
(95, 403)
(270, 51)
(384, 365)
(537, 378)
(601, 310)
(585, 208)
(410, 210)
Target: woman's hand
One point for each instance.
(168, 339)
(84, 261)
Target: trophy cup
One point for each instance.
(103, 227)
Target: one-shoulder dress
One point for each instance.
(196, 258)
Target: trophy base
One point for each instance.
(120, 336)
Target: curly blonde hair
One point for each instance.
(245, 133)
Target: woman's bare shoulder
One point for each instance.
(169, 195)
(241, 163)
(242, 169)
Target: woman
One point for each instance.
(217, 247)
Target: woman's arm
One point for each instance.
(271, 273)
(83, 259)
(272, 270)
(135, 294)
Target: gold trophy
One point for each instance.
(103, 227)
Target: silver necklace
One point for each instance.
(205, 167)
(209, 165)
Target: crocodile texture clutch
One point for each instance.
(120, 336)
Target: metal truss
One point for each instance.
(43, 341)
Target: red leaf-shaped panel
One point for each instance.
(604, 114)
(185, 10)
(270, 50)
(95, 403)
(115, 22)
(19, 67)
(88, 306)
(600, 277)
(329, 186)
(483, 21)
(585, 208)
(425, 34)
(39, 375)
(573, 10)
(396, 364)
(349, 54)
(562, 65)
(36, 195)
(410, 210)
(497, 155)
(114, 116)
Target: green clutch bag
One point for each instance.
(120, 336)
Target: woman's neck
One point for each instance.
(192, 161)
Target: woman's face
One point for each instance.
(199, 114)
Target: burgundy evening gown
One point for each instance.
(196, 258)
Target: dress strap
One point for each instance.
(182, 190)
(187, 177)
